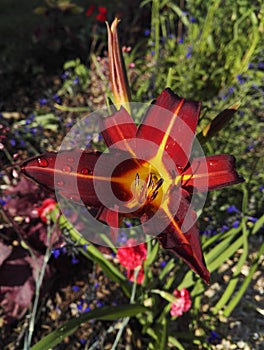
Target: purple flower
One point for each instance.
(76, 80)
(82, 341)
(230, 90)
(240, 79)
(43, 101)
(180, 41)
(2, 202)
(189, 52)
(232, 209)
(56, 253)
(236, 224)
(224, 228)
(122, 237)
(85, 247)
(252, 219)
(56, 98)
(214, 338)
(163, 263)
(65, 75)
(75, 288)
(147, 32)
(74, 260)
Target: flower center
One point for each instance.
(140, 183)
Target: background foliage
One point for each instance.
(55, 70)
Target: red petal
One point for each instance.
(67, 172)
(210, 173)
(171, 122)
(117, 128)
(191, 252)
(111, 218)
(180, 235)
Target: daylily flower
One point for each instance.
(154, 177)
(148, 172)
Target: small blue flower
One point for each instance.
(43, 101)
(56, 98)
(80, 306)
(224, 228)
(2, 202)
(180, 41)
(13, 142)
(82, 341)
(147, 32)
(55, 252)
(192, 19)
(30, 119)
(163, 263)
(87, 309)
(232, 209)
(236, 224)
(122, 237)
(214, 338)
(65, 75)
(75, 288)
(189, 52)
(252, 219)
(85, 247)
(76, 80)
(230, 90)
(96, 285)
(99, 304)
(240, 79)
(74, 260)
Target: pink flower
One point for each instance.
(101, 17)
(47, 206)
(183, 303)
(90, 10)
(140, 276)
(132, 255)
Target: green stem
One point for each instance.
(126, 319)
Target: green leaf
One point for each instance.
(152, 253)
(258, 225)
(233, 303)
(165, 295)
(173, 341)
(108, 313)
(94, 254)
(48, 121)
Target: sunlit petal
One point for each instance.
(210, 173)
(171, 122)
